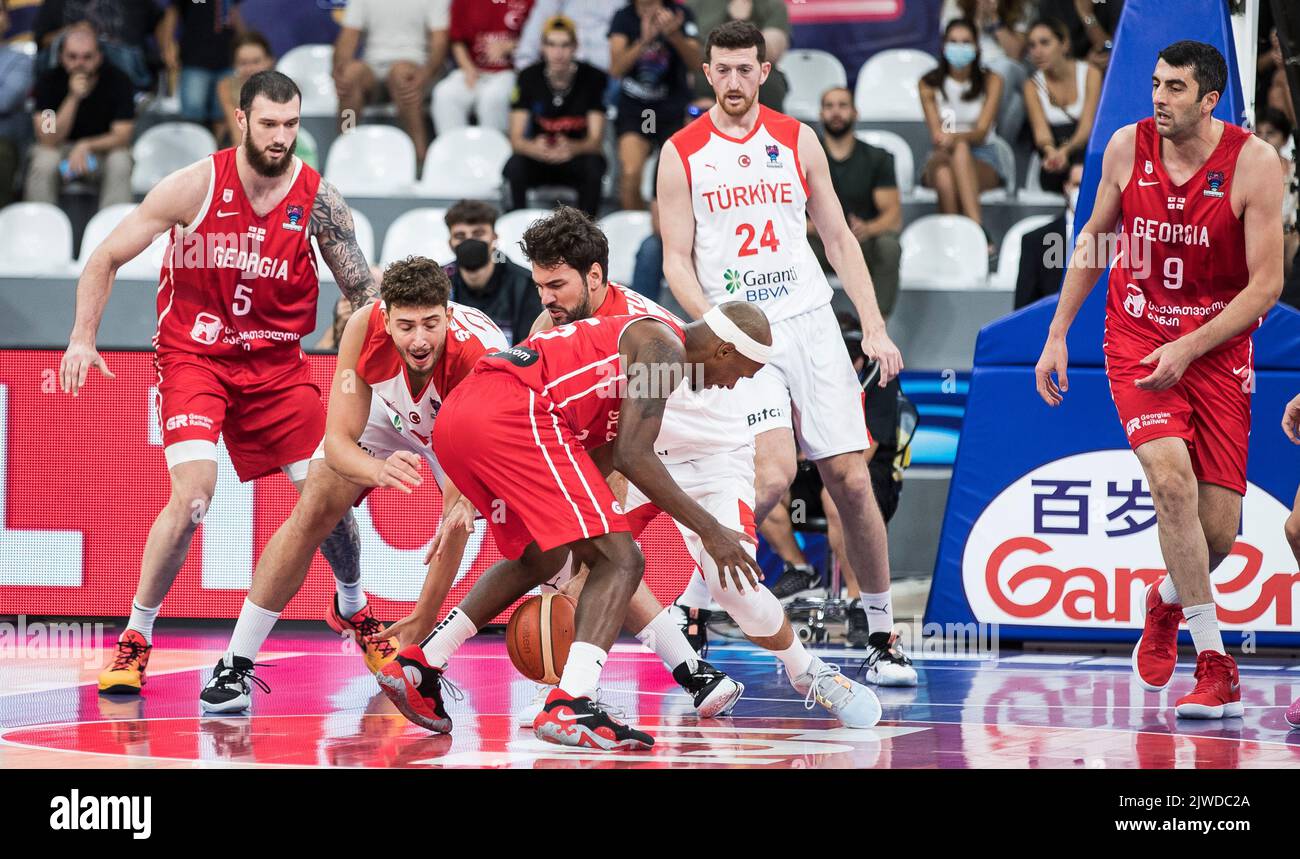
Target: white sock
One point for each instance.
(795, 658)
(1168, 593)
(880, 614)
(252, 628)
(665, 638)
(1203, 623)
(447, 637)
(351, 598)
(142, 620)
(582, 672)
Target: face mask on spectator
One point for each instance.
(959, 54)
(472, 254)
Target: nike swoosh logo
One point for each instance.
(569, 717)
(221, 214)
(1144, 184)
(876, 608)
(711, 166)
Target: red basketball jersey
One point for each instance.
(576, 371)
(233, 284)
(1185, 254)
(621, 301)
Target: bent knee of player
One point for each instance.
(1292, 529)
(846, 475)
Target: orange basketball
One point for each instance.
(539, 634)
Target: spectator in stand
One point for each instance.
(250, 53)
(557, 122)
(483, 39)
(1275, 128)
(648, 273)
(653, 46)
(15, 84)
(1091, 26)
(202, 55)
(1003, 27)
(1045, 251)
(772, 18)
(85, 112)
(590, 18)
(406, 48)
(485, 280)
(1061, 99)
(123, 26)
(864, 180)
(1276, 87)
(960, 100)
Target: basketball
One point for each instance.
(538, 636)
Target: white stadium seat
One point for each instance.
(144, 267)
(510, 229)
(1033, 194)
(365, 240)
(1009, 258)
(944, 252)
(465, 163)
(810, 73)
(311, 67)
(418, 232)
(372, 161)
(904, 163)
(35, 239)
(625, 231)
(886, 87)
(166, 148)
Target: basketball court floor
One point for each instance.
(1021, 710)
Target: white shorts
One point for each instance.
(722, 483)
(810, 387)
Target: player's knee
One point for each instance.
(1292, 529)
(1220, 541)
(189, 505)
(1172, 489)
(846, 475)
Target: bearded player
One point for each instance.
(736, 188)
(707, 449)
(398, 360)
(563, 401)
(1199, 204)
(237, 292)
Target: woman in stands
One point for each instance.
(250, 54)
(1003, 27)
(960, 99)
(1061, 100)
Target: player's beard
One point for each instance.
(265, 166)
(745, 105)
(582, 311)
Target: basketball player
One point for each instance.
(1198, 202)
(735, 189)
(563, 400)
(706, 447)
(237, 293)
(397, 361)
(1291, 426)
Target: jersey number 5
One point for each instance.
(768, 239)
(243, 300)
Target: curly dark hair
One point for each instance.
(415, 282)
(472, 213)
(568, 236)
(736, 36)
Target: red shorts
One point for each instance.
(1209, 407)
(269, 411)
(520, 466)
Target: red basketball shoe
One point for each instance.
(1156, 653)
(569, 721)
(1293, 714)
(415, 688)
(1218, 689)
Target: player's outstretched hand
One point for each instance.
(1291, 420)
(1054, 359)
(1170, 362)
(727, 549)
(877, 345)
(459, 517)
(76, 364)
(400, 471)
(411, 629)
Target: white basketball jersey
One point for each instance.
(749, 197)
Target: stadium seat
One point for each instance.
(419, 232)
(510, 229)
(372, 161)
(365, 240)
(625, 231)
(35, 239)
(145, 266)
(465, 163)
(886, 87)
(165, 148)
(1009, 258)
(1033, 194)
(809, 74)
(307, 149)
(944, 252)
(904, 163)
(311, 67)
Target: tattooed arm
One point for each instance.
(331, 224)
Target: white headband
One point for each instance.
(730, 332)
